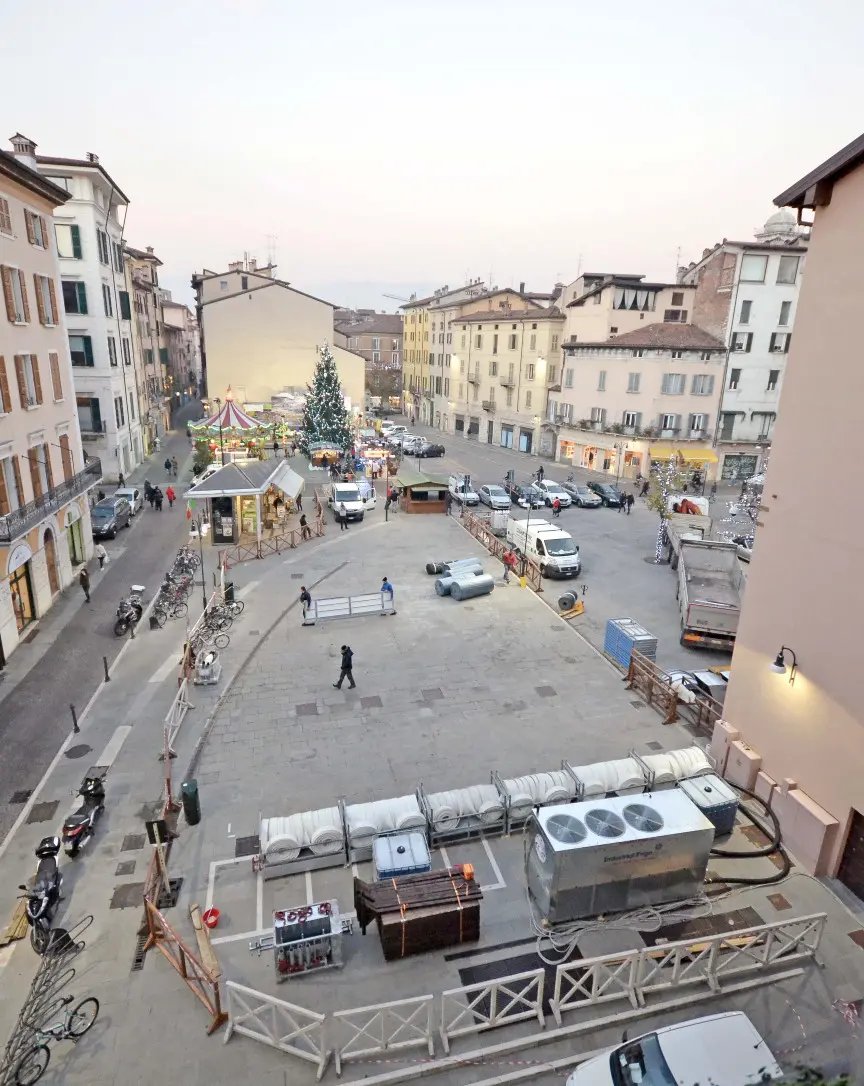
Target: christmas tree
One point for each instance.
(325, 419)
(666, 479)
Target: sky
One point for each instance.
(390, 148)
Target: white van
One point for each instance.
(554, 549)
(461, 489)
(722, 1048)
(349, 495)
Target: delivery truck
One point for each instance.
(710, 588)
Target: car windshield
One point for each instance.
(101, 512)
(496, 491)
(346, 494)
(560, 547)
(641, 1064)
(553, 488)
(584, 492)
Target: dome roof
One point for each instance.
(782, 218)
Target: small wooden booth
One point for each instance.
(419, 493)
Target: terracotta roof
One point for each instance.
(510, 316)
(389, 324)
(814, 189)
(18, 171)
(677, 337)
(83, 163)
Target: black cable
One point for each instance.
(773, 846)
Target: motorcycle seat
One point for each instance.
(45, 875)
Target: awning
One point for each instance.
(688, 456)
(288, 481)
(663, 452)
(701, 456)
(232, 480)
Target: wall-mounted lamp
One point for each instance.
(779, 665)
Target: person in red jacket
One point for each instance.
(509, 560)
(170, 495)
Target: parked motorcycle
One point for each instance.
(43, 899)
(80, 824)
(129, 611)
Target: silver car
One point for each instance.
(496, 497)
(552, 490)
(133, 495)
(582, 496)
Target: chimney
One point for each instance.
(253, 264)
(92, 158)
(522, 288)
(24, 149)
(236, 265)
(150, 249)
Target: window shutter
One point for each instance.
(53, 294)
(49, 471)
(5, 217)
(19, 488)
(75, 232)
(772, 341)
(23, 283)
(35, 478)
(66, 456)
(88, 350)
(125, 311)
(6, 274)
(81, 291)
(56, 381)
(46, 237)
(37, 384)
(5, 398)
(749, 342)
(28, 222)
(40, 305)
(4, 497)
(788, 343)
(22, 383)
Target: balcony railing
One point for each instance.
(507, 380)
(91, 431)
(489, 405)
(473, 378)
(15, 524)
(555, 386)
(428, 394)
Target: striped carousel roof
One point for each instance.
(231, 417)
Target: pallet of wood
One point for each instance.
(416, 913)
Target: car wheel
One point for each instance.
(543, 572)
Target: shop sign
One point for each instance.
(18, 557)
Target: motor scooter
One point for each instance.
(80, 823)
(44, 897)
(129, 611)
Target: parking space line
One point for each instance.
(109, 754)
(211, 877)
(501, 884)
(259, 900)
(309, 894)
(162, 673)
(444, 856)
(243, 592)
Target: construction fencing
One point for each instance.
(476, 1007)
(526, 567)
(383, 1027)
(274, 1022)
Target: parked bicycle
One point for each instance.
(204, 637)
(71, 1027)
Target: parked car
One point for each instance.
(552, 490)
(582, 495)
(608, 494)
(109, 516)
(429, 448)
(133, 495)
(401, 439)
(496, 497)
(524, 496)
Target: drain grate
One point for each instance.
(125, 867)
(168, 898)
(30, 637)
(433, 694)
(140, 955)
(307, 708)
(637, 703)
(42, 812)
(372, 702)
(132, 842)
(654, 745)
(297, 576)
(247, 846)
(21, 797)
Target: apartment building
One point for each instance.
(746, 296)
(641, 396)
(599, 305)
(184, 361)
(803, 727)
(378, 338)
(150, 341)
(89, 231)
(44, 477)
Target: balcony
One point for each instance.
(507, 380)
(92, 430)
(554, 386)
(428, 394)
(473, 378)
(489, 406)
(15, 524)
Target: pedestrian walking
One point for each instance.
(644, 489)
(157, 498)
(343, 517)
(509, 560)
(631, 501)
(275, 449)
(175, 467)
(170, 495)
(305, 601)
(622, 504)
(448, 502)
(556, 508)
(713, 494)
(541, 474)
(121, 480)
(347, 671)
(101, 554)
(167, 466)
(387, 589)
(84, 581)
(325, 463)
(305, 530)
(299, 503)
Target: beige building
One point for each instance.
(149, 342)
(378, 338)
(44, 516)
(805, 593)
(638, 397)
(260, 335)
(599, 305)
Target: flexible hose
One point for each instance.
(773, 846)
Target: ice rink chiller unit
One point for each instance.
(616, 854)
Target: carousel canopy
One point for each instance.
(231, 417)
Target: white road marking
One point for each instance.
(162, 673)
(444, 856)
(109, 754)
(309, 893)
(259, 901)
(496, 870)
(243, 592)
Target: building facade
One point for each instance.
(638, 397)
(150, 342)
(378, 338)
(44, 478)
(89, 232)
(746, 296)
(259, 335)
(804, 730)
(184, 360)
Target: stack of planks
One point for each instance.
(416, 913)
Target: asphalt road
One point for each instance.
(34, 716)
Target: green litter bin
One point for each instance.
(191, 801)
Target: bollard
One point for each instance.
(75, 728)
(105, 665)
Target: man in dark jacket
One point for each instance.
(305, 601)
(347, 671)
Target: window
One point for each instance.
(727, 425)
(554, 343)
(568, 377)
(744, 317)
(163, 355)
(633, 382)
(773, 378)
(463, 340)
(5, 217)
(223, 284)
(119, 413)
(785, 309)
(125, 311)
(446, 386)
(394, 358)
(601, 381)
(509, 397)
(68, 241)
(15, 293)
(11, 491)
(493, 368)
(103, 247)
(56, 379)
(598, 414)
(613, 329)
(46, 299)
(532, 343)
(29, 385)
(734, 379)
(127, 352)
(673, 384)
(742, 341)
(66, 456)
(41, 476)
(698, 423)
(705, 356)
(118, 257)
(552, 376)
(376, 357)
(112, 351)
(677, 354)
(527, 401)
(376, 344)
(511, 343)
(441, 336)
(631, 419)
(495, 344)
(131, 407)
(478, 341)
(106, 300)
(779, 342)
(529, 372)
(74, 297)
(637, 352)
(702, 384)
(449, 337)
(787, 271)
(447, 361)
(438, 383)
(81, 350)
(753, 268)
(678, 297)
(37, 229)
(668, 422)
(675, 316)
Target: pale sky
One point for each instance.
(393, 147)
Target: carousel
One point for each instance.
(234, 435)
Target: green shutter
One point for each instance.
(96, 414)
(163, 355)
(76, 243)
(88, 350)
(125, 311)
(81, 290)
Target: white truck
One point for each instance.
(349, 494)
(722, 1048)
(462, 491)
(681, 526)
(551, 547)
(710, 587)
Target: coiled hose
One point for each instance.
(769, 849)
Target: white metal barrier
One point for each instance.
(705, 961)
(476, 1007)
(384, 1027)
(274, 1022)
(180, 706)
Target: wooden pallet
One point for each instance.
(17, 926)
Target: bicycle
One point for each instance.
(204, 638)
(74, 1024)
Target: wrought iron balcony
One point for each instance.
(473, 378)
(555, 386)
(16, 523)
(507, 380)
(489, 405)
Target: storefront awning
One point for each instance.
(235, 481)
(688, 456)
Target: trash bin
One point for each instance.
(191, 802)
(229, 591)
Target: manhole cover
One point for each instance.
(638, 704)
(128, 897)
(654, 746)
(296, 576)
(434, 694)
(373, 702)
(307, 708)
(78, 751)
(42, 812)
(125, 867)
(132, 842)
(21, 797)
